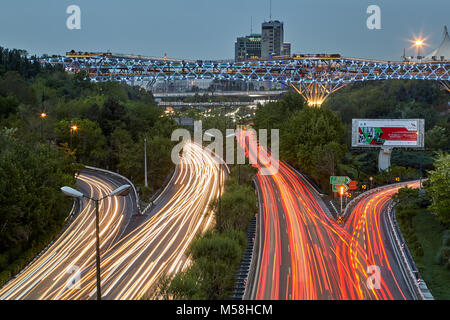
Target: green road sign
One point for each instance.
(339, 180)
(337, 186)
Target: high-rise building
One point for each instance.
(248, 47)
(286, 50)
(272, 38)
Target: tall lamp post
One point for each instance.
(73, 128)
(43, 115)
(121, 191)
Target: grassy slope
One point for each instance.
(429, 234)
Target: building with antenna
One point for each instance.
(272, 38)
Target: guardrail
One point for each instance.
(158, 192)
(401, 246)
(136, 196)
(256, 252)
(242, 274)
(414, 277)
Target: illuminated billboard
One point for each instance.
(389, 133)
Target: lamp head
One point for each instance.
(68, 191)
(121, 191)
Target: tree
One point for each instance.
(438, 138)
(311, 136)
(88, 140)
(32, 207)
(439, 186)
(113, 115)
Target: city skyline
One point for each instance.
(178, 28)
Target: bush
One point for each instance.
(443, 257)
(216, 255)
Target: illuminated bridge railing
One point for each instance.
(313, 78)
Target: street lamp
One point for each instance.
(341, 193)
(43, 115)
(121, 191)
(73, 129)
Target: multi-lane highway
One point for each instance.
(131, 263)
(132, 268)
(304, 254)
(53, 273)
(371, 246)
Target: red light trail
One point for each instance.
(305, 254)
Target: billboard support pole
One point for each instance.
(384, 159)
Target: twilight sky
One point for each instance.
(207, 29)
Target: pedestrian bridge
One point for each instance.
(315, 77)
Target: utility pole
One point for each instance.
(420, 182)
(145, 161)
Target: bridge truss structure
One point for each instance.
(315, 78)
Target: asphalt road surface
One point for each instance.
(50, 275)
(304, 254)
(132, 263)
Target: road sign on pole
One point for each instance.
(339, 180)
(353, 185)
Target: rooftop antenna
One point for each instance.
(270, 11)
(251, 25)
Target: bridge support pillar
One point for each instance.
(315, 93)
(384, 158)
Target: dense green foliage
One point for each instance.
(318, 141)
(311, 139)
(427, 237)
(38, 155)
(424, 219)
(112, 119)
(32, 209)
(408, 205)
(397, 99)
(439, 188)
(217, 254)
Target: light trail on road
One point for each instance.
(55, 269)
(370, 245)
(304, 253)
(133, 266)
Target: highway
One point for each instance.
(132, 267)
(52, 274)
(371, 244)
(132, 263)
(304, 254)
(297, 258)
